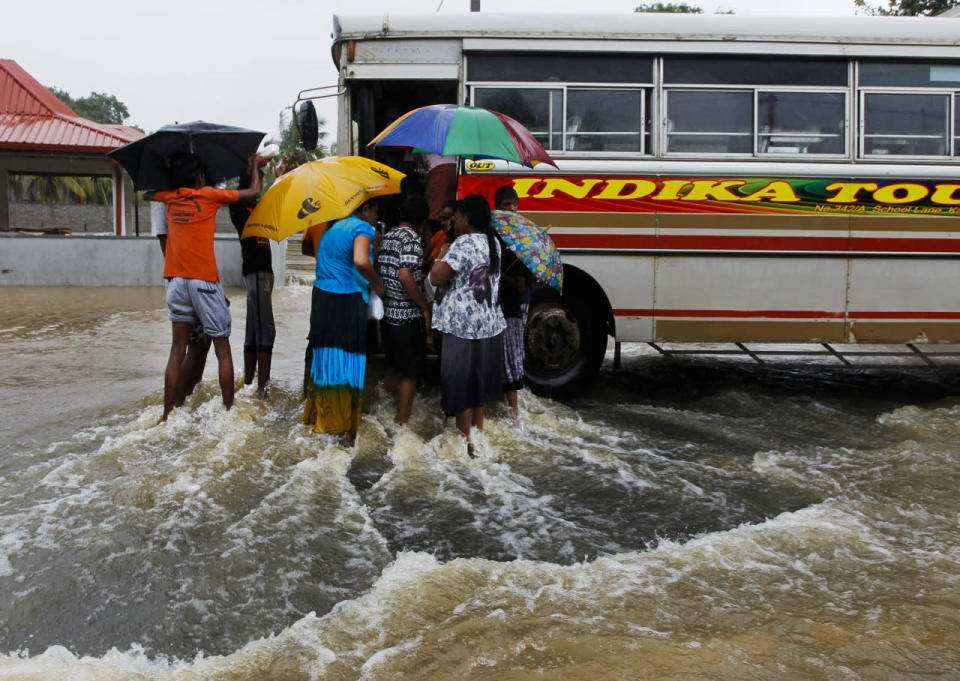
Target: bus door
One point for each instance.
(375, 104)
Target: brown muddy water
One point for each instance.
(696, 519)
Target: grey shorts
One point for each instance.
(261, 331)
(195, 301)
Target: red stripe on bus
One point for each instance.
(755, 243)
(909, 245)
(774, 314)
(785, 314)
(611, 241)
(898, 314)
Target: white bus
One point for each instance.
(720, 178)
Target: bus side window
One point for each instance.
(801, 122)
(910, 124)
(710, 121)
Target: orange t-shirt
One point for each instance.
(436, 243)
(314, 233)
(191, 223)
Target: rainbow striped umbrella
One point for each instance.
(461, 130)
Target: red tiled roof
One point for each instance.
(31, 117)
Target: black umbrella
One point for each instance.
(222, 149)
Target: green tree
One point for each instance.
(288, 140)
(97, 106)
(676, 8)
(908, 8)
(69, 189)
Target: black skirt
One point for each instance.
(338, 320)
(471, 373)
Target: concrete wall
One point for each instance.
(95, 260)
(89, 219)
(80, 219)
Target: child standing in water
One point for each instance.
(515, 287)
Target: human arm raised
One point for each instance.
(253, 191)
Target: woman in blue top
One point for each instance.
(337, 349)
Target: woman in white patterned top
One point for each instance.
(469, 316)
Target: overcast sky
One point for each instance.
(238, 62)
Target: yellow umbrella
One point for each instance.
(328, 189)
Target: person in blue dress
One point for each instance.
(337, 349)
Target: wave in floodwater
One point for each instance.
(683, 520)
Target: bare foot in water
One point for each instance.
(348, 440)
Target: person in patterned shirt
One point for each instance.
(406, 312)
(468, 313)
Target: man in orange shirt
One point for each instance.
(194, 293)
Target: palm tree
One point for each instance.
(70, 189)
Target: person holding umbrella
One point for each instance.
(337, 351)
(194, 293)
(198, 345)
(314, 194)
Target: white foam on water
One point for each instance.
(10, 542)
(11, 330)
(668, 594)
(552, 426)
(485, 487)
(253, 495)
(930, 424)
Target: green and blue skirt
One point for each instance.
(337, 353)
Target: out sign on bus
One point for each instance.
(480, 165)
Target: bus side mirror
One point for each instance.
(307, 125)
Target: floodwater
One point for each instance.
(685, 520)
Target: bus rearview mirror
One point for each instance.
(307, 125)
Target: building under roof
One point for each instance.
(39, 134)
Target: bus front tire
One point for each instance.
(564, 343)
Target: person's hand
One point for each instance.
(380, 288)
(443, 250)
(427, 315)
